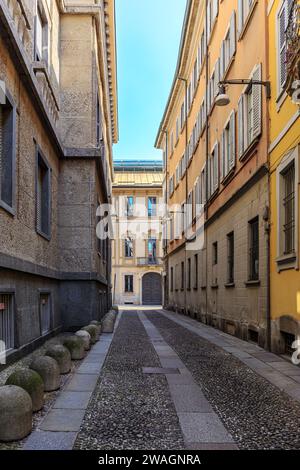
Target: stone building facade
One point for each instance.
(216, 169)
(58, 122)
(137, 245)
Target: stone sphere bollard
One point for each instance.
(98, 325)
(15, 413)
(62, 356)
(86, 337)
(48, 369)
(32, 383)
(75, 345)
(108, 324)
(93, 331)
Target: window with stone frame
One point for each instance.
(43, 196)
(230, 258)
(189, 273)
(287, 209)
(41, 34)
(7, 153)
(128, 247)
(128, 279)
(254, 249)
(196, 271)
(182, 277)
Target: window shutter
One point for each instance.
(217, 77)
(216, 167)
(232, 141)
(257, 103)
(208, 12)
(215, 9)
(222, 60)
(240, 16)
(7, 129)
(232, 35)
(282, 45)
(241, 139)
(222, 157)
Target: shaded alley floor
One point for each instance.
(200, 396)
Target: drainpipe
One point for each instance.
(186, 193)
(206, 153)
(267, 215)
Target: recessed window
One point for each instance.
(215, 253)
(230, 258)
(6, 321)
(152, 258)
(128, 247)
(128, 283)
(41, 35)
(172, 279)
(7, 154)
(129, 206)
(289, 209)
(189, 274)
(152, 206)
(43, 197)
(45, 313)
(254, 250)
(182, 275)
(196, 271)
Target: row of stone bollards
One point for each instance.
(23, 392)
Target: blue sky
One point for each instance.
(148, 36)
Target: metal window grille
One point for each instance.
(7, 320)
(230, 258)
(289, 210)
(254, 250)
(45, 313)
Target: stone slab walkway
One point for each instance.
(59, 428)
(200, 425)
(278, 371)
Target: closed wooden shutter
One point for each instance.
(240, 16)
(222, 157)
(222, 60)
(282, 45)
(257, 103)
(216, 167)
(232, 35)
(241, 131)
(232, 141)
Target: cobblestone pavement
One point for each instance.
(256, 413)
(130, 409)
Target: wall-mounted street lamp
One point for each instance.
(223, 99)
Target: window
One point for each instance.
(254, 250)
(152, 206)
(244, 8)
(230, 258)
(189, 274)
(129, 206)
(172, 279)
(171, 185)
(43, 197)
(7, 154)
(182, 275)
(172, 143)
(177, 130)
(214, 170)
(215, 253)
(228, 47)
(41, 35)
(282, 24)
(196, 271)
(45, 313)
(190, 209)
(128, 248)
(6, 321)
(128, 283)
(249, 114)
(288, 339)
(228, 147)
(152, 250)
(212, 13)
(289, 209)
(195, 75)
(183, 217)
(182, 116)
(98, 122)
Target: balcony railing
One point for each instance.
(150, 261)
(293, 47)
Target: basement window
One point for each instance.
(253, 336)
(6, 321)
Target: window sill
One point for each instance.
(203, 287)
(285, 262)
(229, 285)
(7, 208)
(228, 177)
(214, 286)
(250, 150)
(253, 283)
(43, 235)
(195, 288)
